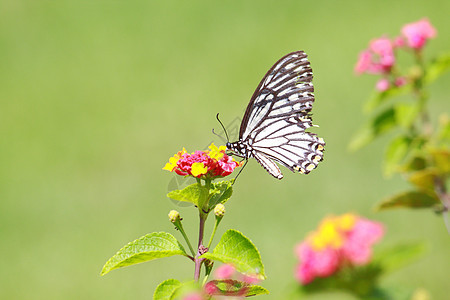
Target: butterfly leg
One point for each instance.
(246, 161)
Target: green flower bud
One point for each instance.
(174, 216)
(219, 210)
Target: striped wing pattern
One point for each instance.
(274, 124)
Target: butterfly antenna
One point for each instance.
(217, 117)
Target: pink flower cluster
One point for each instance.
(380, 58)
(339, 242)
(202, 164)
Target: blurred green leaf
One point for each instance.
(396, 153)
(437, 68)
(398, 256)
(194, 193)
(415, 163)
(424, 179)
(379, 98)
(383, 122)
(405, 114)
(441, 158)
(151, 246)
(230, 287)
(237, 250)
(444, 130)
(357, 280)
(221, 192)
(410, 199)
(165, 289)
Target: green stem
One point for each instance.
(181, 229)
(216, 224)
(422, 96)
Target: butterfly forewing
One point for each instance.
(274, 124)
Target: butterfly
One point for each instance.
(279, 112)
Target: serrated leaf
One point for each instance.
(398, 256)
(410, 199)
(438, 67)
(237, 250)
(405, 114)
(396, 153)
(221, 192)
(379, 98)
(424, 179)
(194, 193)
(165, 289)
(381, 123)
(151, 246)
(255, 290)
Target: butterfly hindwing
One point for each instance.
(274, 123)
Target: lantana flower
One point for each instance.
(338, 242)
(211, 163)
(378, 58)
(418, 33)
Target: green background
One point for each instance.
(97, 95)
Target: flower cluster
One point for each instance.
(380, 58)
(340, 241)
(202, 164)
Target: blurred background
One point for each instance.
(95, 96)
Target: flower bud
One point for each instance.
(174, 216)
(219, 210)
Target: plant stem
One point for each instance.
(214, 231)
(441, 191)
(198, 261)
(186, 239)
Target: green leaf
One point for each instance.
(405, 114)
(424, 179)
(166, 289)
(444, 131)
(437, 68)
(410, 199)
(151, 246)
(379, 98)
(415, 163)
(396, 153)
(237, 250)
(221, 192)
(441, 158)
(383, 122)
(231, 287)
(194, 193)
(398, 256)
(255, 290)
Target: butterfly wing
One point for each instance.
(278, 114)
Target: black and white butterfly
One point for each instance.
(274, 124)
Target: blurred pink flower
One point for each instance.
(364, 62)
(418, 33)
(225, 271)
(211, 288)
(193, 296)
(338, 242)
(399, 81)
(382, 85)
(378, 59)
